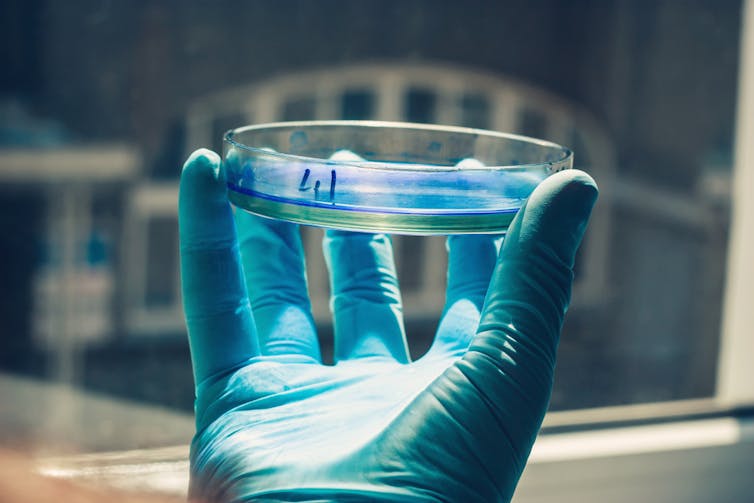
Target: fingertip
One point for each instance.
(572, 183)
(201, 159)
(470, 163)
(201, 176)
(567, 193)
(582, 177)
(579, 193)
(203, 208)
(555, 215)
(345, 156)
(203, 165)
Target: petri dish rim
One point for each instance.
(230, 135)
(459, 204)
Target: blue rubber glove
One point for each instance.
(274, 424)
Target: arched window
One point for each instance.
(417, 93)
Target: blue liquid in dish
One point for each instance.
(333, 195)
(388, 177)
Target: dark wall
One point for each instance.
(20, 48)
(660, 74)
(21, 214)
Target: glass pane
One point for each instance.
(475, 111)
(299, 108)
(162, 243)
(419, 105)
(577, 144)
(410, 262)
(357, 105)
(532, 122)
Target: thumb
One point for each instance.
(531, 284)
(505, 378)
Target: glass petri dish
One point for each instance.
(386, 177)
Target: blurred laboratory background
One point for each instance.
(101, 101)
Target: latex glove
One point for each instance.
(274, 424)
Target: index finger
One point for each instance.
(218, 317)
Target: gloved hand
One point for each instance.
(275, 424)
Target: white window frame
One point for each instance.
(735, 381)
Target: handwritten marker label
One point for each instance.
(303, 185)
(332, 185)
